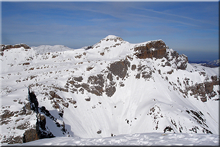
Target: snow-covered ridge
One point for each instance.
(110, 89)
(207, 63)
(145, 139)
(48, 48)
(112, 37)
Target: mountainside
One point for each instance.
(111, 88)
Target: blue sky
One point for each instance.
(190, 28)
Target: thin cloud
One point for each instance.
(163, 19)
(179, 16)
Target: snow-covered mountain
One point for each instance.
(214, 63)
(111, 88)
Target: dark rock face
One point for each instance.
(30, 135)
(97, 90)
(146, 75)
(33, 101)
(54, 95)
(97, 83)
(133, 67)
(42, 123)
(100, 83)
(4, 47)
(78, 79)
(182, 60)
(199, 117)
(110, 90)
(203, 90)
(96, 80)
(179, 60)
(6, 117)
(155, 49)
(208, 87)
(40, 130)
(6, 114)
(198, 90)
(57, 100)
(143, 71)
(168, 128)
(47, 113)
(120, 68)
(138, 76)
(109, 76)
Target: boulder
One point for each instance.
(30, 135)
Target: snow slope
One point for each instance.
(209, 71)
(96, 100)
(48, 48)
(135, 139)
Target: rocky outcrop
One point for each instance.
(215, 80)
(95, 84)
(96, 87)
(8, 116)
(119, 68)
(6, 47)
(180, 61)
(112, 38)
(12, 140)
(199, 118)
(155, 49)
(39, 132)
(30, 135)
(204, 90)
(158, 50)
(100, 83)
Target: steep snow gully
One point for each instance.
(110, 88)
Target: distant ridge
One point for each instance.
(207, 63)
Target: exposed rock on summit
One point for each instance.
(4, 47)
(112, 38)
(155, 49)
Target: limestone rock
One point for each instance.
(155, 49)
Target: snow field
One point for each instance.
(178, 139)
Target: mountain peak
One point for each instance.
(112, 37)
